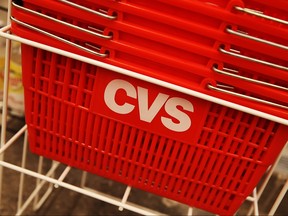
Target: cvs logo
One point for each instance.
(141, 105)
(176, 108)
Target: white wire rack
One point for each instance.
(37, 199)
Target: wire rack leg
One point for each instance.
(190, 211)
(266, 180)
(39, 170)
(255, 202)
(45, 196)
(83, 179)
(279, 198)
(98, 196)
(254, 199)
(21, 182)
(38, 202)
(63, 176)
(5, 102)
(125, 197)
(36, 190)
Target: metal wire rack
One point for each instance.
(37, 199)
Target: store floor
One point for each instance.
(66, 202)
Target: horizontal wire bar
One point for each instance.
(13, 139)
(36, 190)
(261, 14)
(129, 203)
(222, 90)
(238, 33)
(249, 79)
(63, 175)
(147, 79)
(125, 196)
(101, 197)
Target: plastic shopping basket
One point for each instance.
(201, 72)
(196, 152)
(153, 23)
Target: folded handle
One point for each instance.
(229, 52)
(240, 34)
(260, 14)
(215, 69)
(219, 89)
(97, 34)
(88, 10)
(57, 37)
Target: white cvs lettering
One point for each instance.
(178, 120)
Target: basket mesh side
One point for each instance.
(216, 173)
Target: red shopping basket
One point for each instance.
(165, 26)
(196, 152)
(156, 59)
(135, 29)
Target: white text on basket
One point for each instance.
(175, 107)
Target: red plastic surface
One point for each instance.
(131, 34)
(194, 79)
(69, 118)
(185, 8)
(183, 53)
(159, 60)
(254, 26)
(140, 20)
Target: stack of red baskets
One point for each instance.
(150, 137)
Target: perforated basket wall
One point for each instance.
(213, 164)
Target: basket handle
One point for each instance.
(103, 55)
(219, 89)
(88, 10)
(215, 69)
(229, 52)
(246, 35)
(63, 23)
(260, 14)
